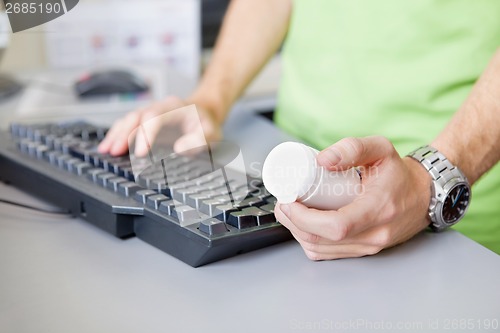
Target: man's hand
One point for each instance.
(117, 139)
(391, 209)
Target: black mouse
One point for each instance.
(8, 87)
(110, 82)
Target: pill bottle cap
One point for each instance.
(289, 171)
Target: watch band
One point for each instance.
(440, 169)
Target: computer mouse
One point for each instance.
(110, 82)
(9, 87)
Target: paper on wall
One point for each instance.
(105, 33)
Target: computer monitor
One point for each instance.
(8, 86)
(212, 14)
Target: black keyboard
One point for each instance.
(186, 206)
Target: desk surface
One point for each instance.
(64, 275)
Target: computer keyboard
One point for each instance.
(183, 205)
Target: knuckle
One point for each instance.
(150, 113)
(132, 117)
(384, 141)
(172, 99)
(310, 247)
(389, 213)
(353, 144)
(312, 239)
(372, 250)
(312, 255)
(338, 231)
(386, 144)
(381, 239)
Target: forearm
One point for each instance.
(471, 139)
(251, 33)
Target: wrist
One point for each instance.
(422, 184)
(451, 151)
(212, 103)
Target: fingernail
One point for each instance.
(332, 155)
(285, 208)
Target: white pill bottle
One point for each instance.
(291, 173)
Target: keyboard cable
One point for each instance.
(38, 209)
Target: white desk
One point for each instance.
(63, 275)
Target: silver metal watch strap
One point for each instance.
(440, 169)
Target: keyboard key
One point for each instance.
(117, 167)
(222, 211)
(252, 201)
(268, 208)
(271, 200)
(108, 163)
(194, 200)
(128, 189)
(127, 172)
(49, 140)
(143, 195)
(214, 184)
(182, 194)
(41, 151)
(262, 217)
(213, 227)
(261, 193)
(66, 146)
(193, 174)
(154, 201)
(179, 186)
(97, 159)
(62, 159)
(31, 148)
(103, 178)
(160, 187)
(186, 214)
(145, 179)
(168, 206)
(240, 196)
(113, 183)
(93, 173)
(205, 179)
(70, 164)
(208, 206)
(52, 157)
(82, 168)
(242, 219)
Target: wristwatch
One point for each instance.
(450, 190)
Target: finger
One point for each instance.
(153, 120)
(146, 134)
(378, 236)
(121, 138)
(108, 140)
(321, 248)
(116, 132)
(336, 251)
(350, 152)
(338, 225)
(298, 234)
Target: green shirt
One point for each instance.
(394, 68)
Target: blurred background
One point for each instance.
(141, 35)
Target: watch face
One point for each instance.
(456, 203)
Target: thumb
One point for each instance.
(351, 152)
